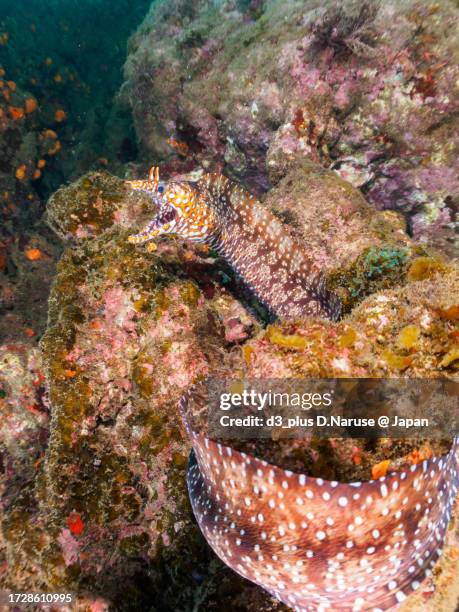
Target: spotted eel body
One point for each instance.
(218, 212)
(315, 545)
(320, 545)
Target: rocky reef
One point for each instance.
(112, 518)
(28, 250)
(365, 88)
(342, 121)
(130, 331)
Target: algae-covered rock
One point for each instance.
(90, 205)
(366, 88)
(121, 347)
(24, 433)
(331, 217)
(25, 416)
(128, 333)
(403, 331)
(361, 250)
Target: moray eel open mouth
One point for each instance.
(165, 222)
(167, 212)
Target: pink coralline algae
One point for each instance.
(375, 84)
(70, 547)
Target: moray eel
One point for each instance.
(315, 545)
(218, 212)
(319, 545)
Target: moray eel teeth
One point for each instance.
(216, 211)
(319, 545)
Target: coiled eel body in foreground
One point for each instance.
(218, 212)
(319, 545)
(315, 545)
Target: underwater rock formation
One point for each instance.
(409, 329)
(367, 89)
(341, 121)
(129, 331)
(25, 416)
(127, 334)
(24, 432)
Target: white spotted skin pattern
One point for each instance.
(318, 545)
(218, 212)
(269, 260)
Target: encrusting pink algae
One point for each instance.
(330, 129)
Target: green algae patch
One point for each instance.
(375, 269)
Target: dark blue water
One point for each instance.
(68, 54)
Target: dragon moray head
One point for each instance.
(179, 210)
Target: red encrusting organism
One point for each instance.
(75, 523)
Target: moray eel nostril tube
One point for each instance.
(218, 212)
(319, 545)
